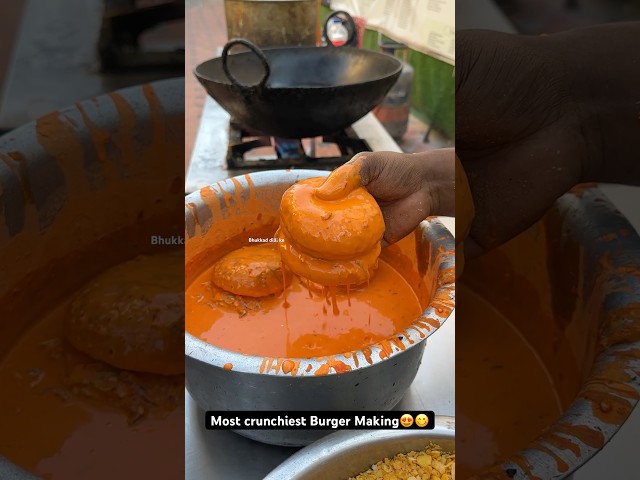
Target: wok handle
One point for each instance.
(255, 50)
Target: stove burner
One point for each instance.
(254, 150)
(288, 148)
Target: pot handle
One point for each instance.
(259, 53)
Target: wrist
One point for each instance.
(438, 174)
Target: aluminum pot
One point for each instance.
(78, 197)
(571, 286)
(347, 453)
(220, 218)
(67, 179)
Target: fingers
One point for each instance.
(391, 176)
(403, 216)
(387, 176)
(507, 88)
(514, 187)
(341, 181)
(407, 187)
(465, 209)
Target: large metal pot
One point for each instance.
(570, 286)
(270, 23)
(67, 182)
(345, 454)
(83, 189)
(373, 379)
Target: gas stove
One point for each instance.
(254, 150)
(224, 149)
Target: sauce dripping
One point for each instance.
(309, 329)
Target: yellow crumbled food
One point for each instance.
(432, 463)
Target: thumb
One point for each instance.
(342, 181)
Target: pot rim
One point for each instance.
(614, 379)
(301, 50)
(435, 314)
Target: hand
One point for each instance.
(407, 187)
(537, 115)
(518, 134)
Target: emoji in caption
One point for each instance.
(406, 420)
(421, 420)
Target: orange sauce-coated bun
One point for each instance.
(254, 271)
(132, 315)
(329, 272)
(330, 229)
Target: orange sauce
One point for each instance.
(307, 325)
(61, 421)
(526, 348)
(504, 394)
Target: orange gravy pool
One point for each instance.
(504, 395)
(313, 323)
(55, 434)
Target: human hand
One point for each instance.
(536, 115)
(407, 187)
(518, 133)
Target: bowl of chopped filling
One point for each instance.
(376, 455)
